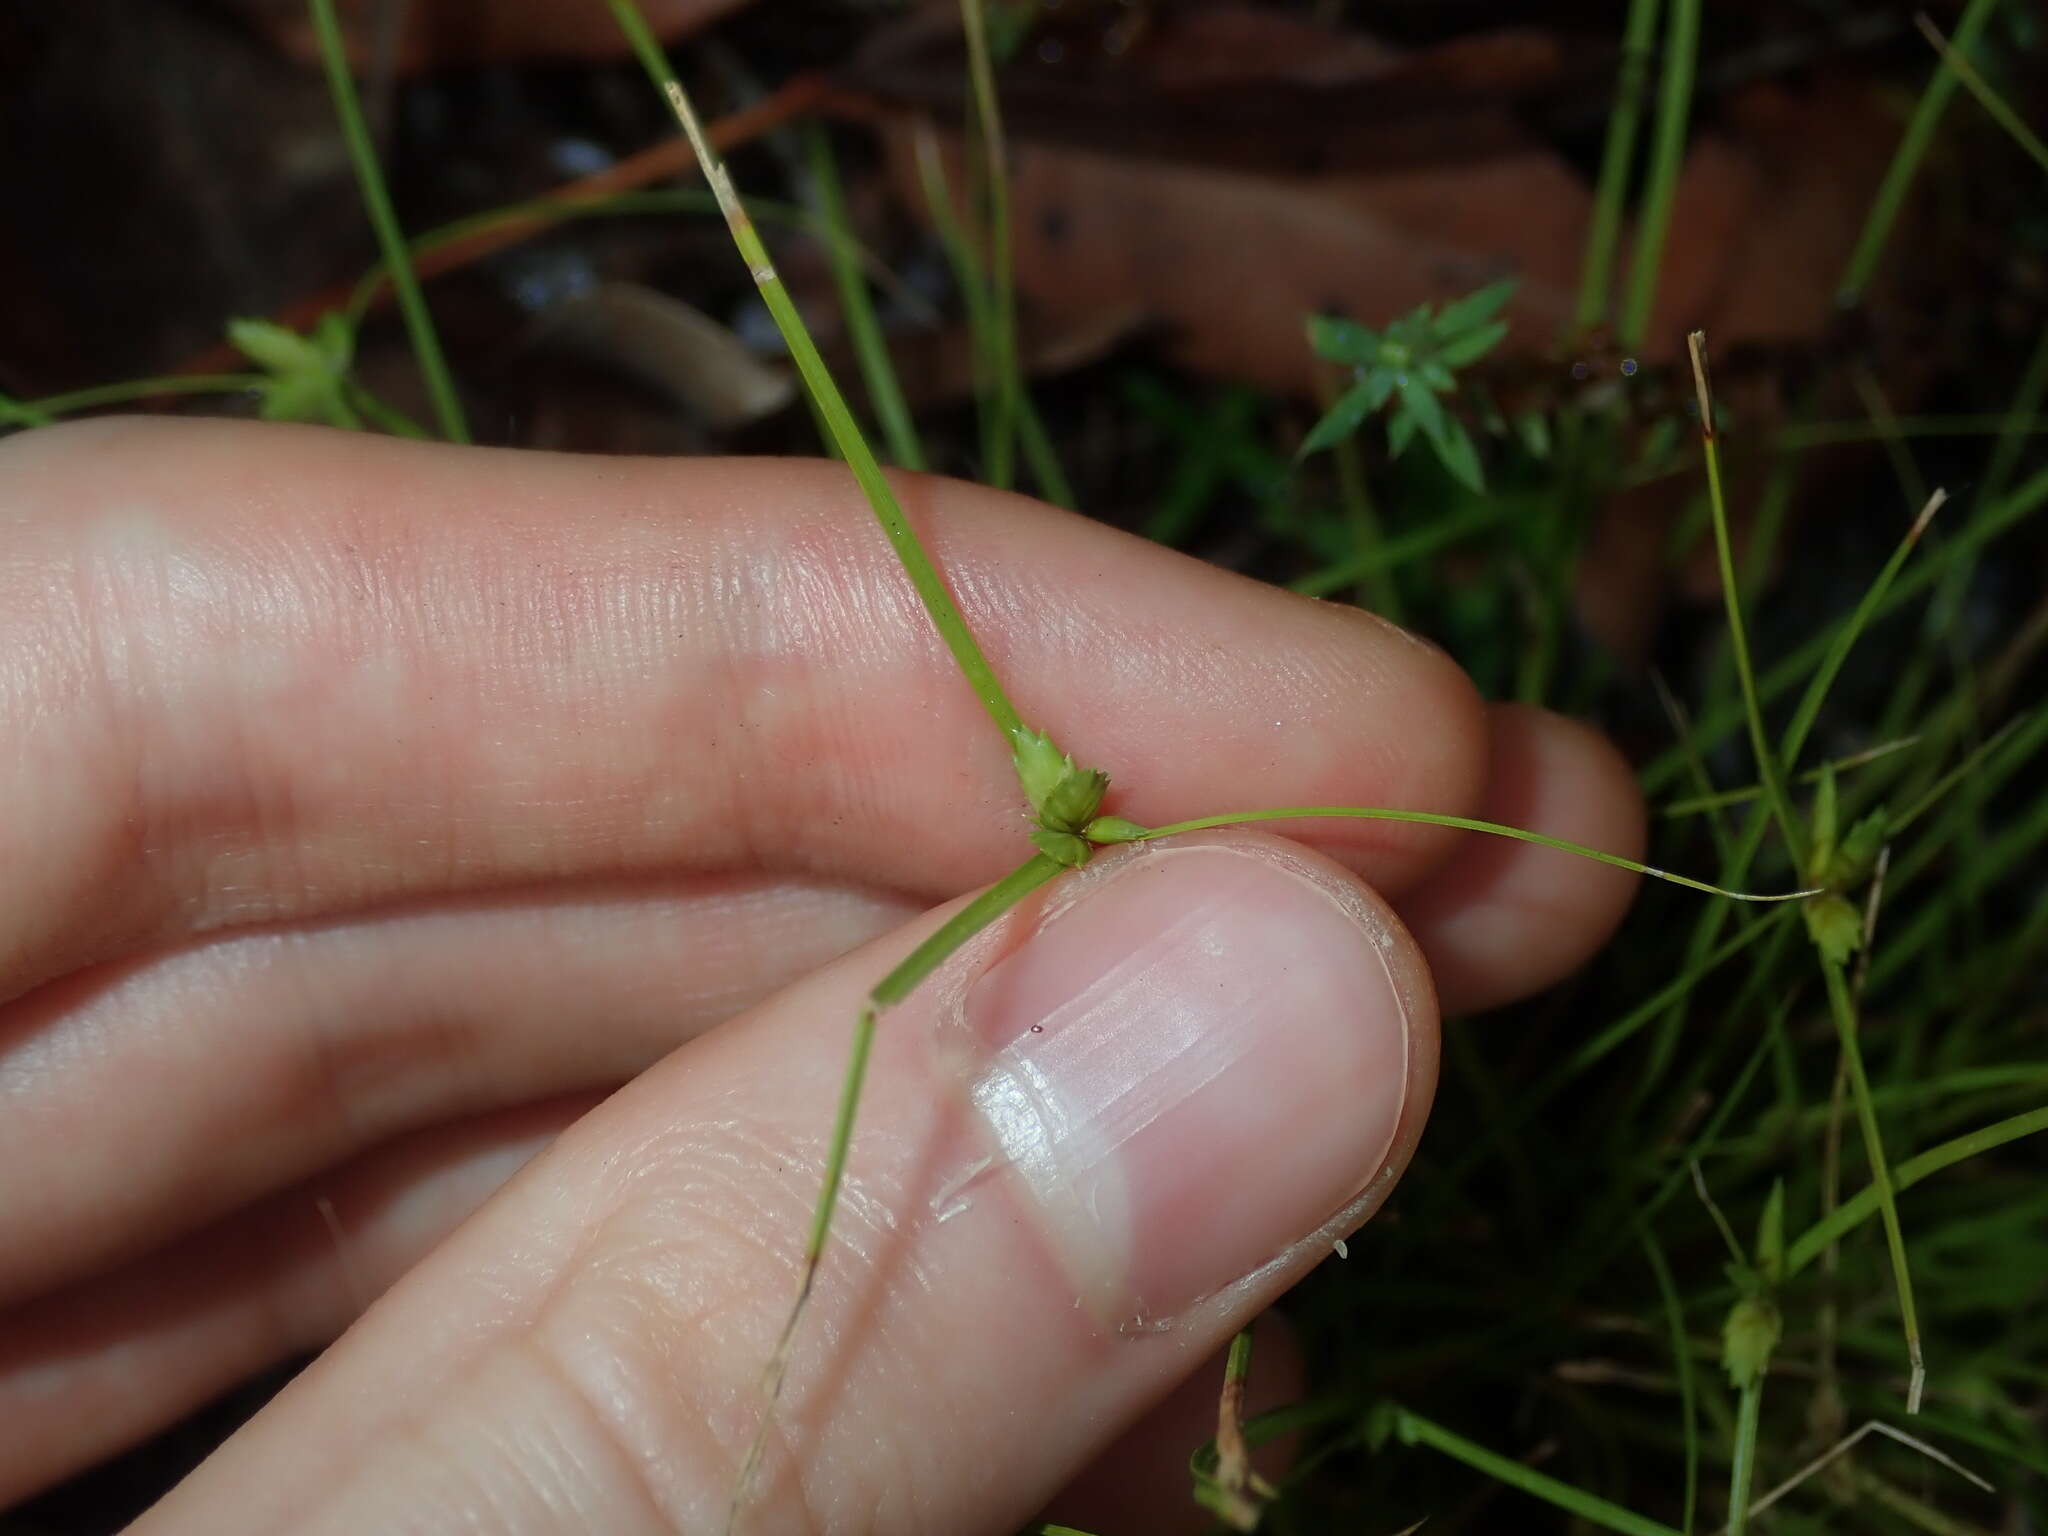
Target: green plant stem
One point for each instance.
(1987, 98)
(1377, 587)
(860, 458)
(927, 957)
(878, 372)
(1842, 1005)
(1738, 636)
(1990, 521)
(50, 407)
(1667, 158)
(1413, 1429)
(1000, 430)
(1898, 178)
(1721, 799)
(1617, 158)
(1742, 1466)
(1042, 457)
(1681, 1360)
(1837, 655)
(419, 324)
(1462, 823)
(15, 413)
(1859, 1208)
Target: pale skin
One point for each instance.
(382, 819)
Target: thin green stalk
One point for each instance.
(1898, 178)
(1413, 1429)
(1617, 158)
(1000, 430)
(1377, 588)
(1867, 608)
(1738, 635)
(419, 324)
(877, 370)
(1401, 549)
(1681, 1359)
(1843, 1007)
(1042, 457)
(1742, 1467)
(1462, 823)
(14, 413)
(1987, 98)
(1991, 520)
(1721, 799)
(1865, 1202)
(933, 952)
(1667, 157)
(50, 407)
(860, 458)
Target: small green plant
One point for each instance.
(1407, 366)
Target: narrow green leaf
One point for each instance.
(1348, 414)
(1343, 341)
(1454, 446)
(1462, 351)
(1456, 318)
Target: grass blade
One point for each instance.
(818, 380)
(878, 372)
(1667, 158)
(419, 324)
(1433, 819)
(1413, 1429)
(1617, 157)
(1898, 178)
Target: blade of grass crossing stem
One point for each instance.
(1898, 178)
(1859, 1208)
(412, 303)
(1681, 1360)
(1617, 159)
(1845, 638)
(999, 430)
(1413, 1429)
(1994, 104)
(891, 990)
(1462, 823)
(1738, 637)
(877, 371)
(860, 458)
(1667, 156)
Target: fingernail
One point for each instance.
(1192, 1066)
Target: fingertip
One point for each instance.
(1504, 919)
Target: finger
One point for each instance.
(1503, 919)
(1141, 1485)
(1096, 1144)
(88, 1371)
(314, 1041)
(260, 674)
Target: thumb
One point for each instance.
(1092, 1147)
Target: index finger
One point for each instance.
(260, 673)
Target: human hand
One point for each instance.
(375, 811)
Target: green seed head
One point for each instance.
(1114, 829)
(1066, 848)
(1074, 800)
(1040, 767)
